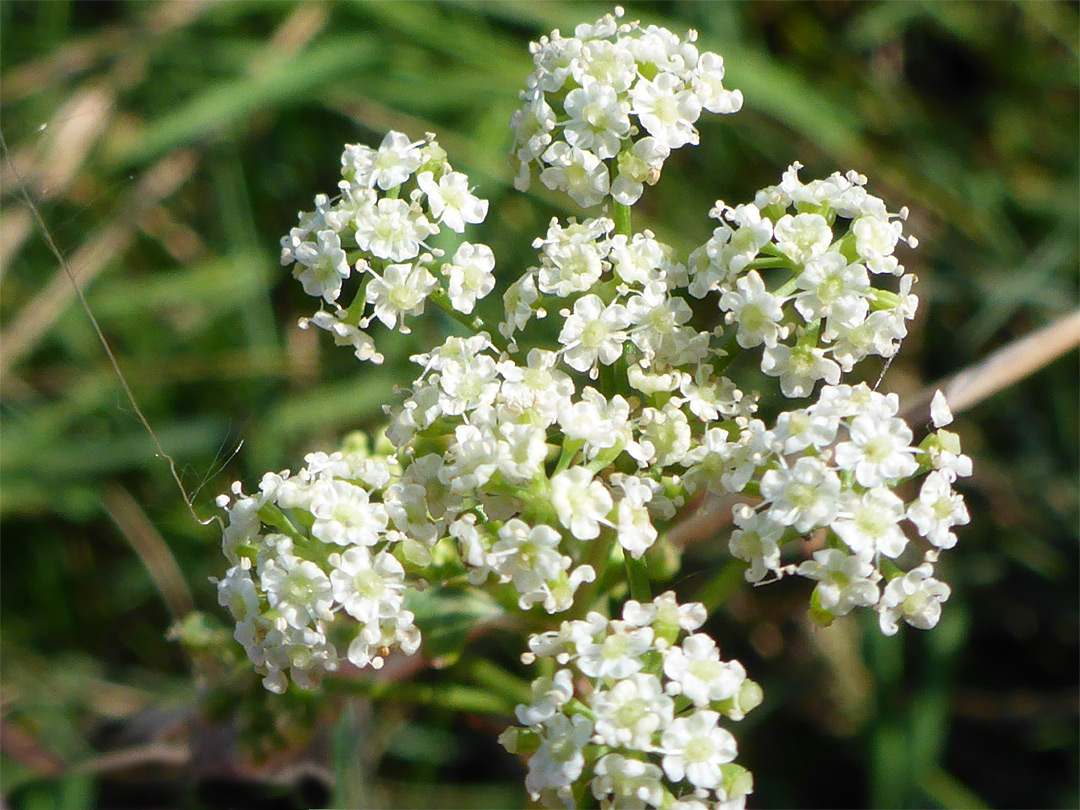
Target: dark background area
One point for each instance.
(169, 145)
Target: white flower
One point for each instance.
(369, 590)
(799, 368)
(578, 172)
(938, 510)
(344, 515)
(593, 333)
(581, 502)
(803, 236)
(940, 414)
(573, 266)
(598, 120)
(805, 428)
(392, 229)
(696, 671)
(628, 714)
(694, 749)
(370, 646)
(532, 126)
(559, 760)
(548, 696)
(666, 109)
(451, 201)
(878, 452)
(845, 581)
(755, 310)
(538, 386)
(638, 165)
(401, 290)
(875, 240)
(468, 384)
(323, 264)
(237, 592)
(396, 159)
(666, 616)
(833, 289)
(471, 275)
(709, 88)
(868, 523)
(915, 597)
(522, 450)
(345, 334)
(804, 496)
(528, 555)
(665, 435)
(634, 527)
(297, 589)
(756, 541)
(633, 782)
(617, 655)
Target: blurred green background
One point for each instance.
(169, 145)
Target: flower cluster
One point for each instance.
(826, 242)
(633, 716)
(308, 548)
(542, 457)
(390, 200)
(829, 470)
(621, 97)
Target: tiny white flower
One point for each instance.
(694, 749)
(297, 589)
(845, 581)
(392, 230)
(915, 597)
(937, 510)
(369, 590)
(344, 515)
(869, 523)
(598, 119)
(635, 708)
(696, 671)
(396, 159)
(803, 236)
(805, 496)
(527, 555)
(667, 109)
(940, 414)
(580, 501)
(560, 759)
(632, 782)
(709, 87)
(451, 201)
(322, 266)
(401, 290)
(578, 172)
(548, 696)
(879, 451)
(617, 654)
(593, 333)
(798, 368)
(755, 310)
(345, 334)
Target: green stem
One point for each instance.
(638, 575)
(767, 264)
(621, 215)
